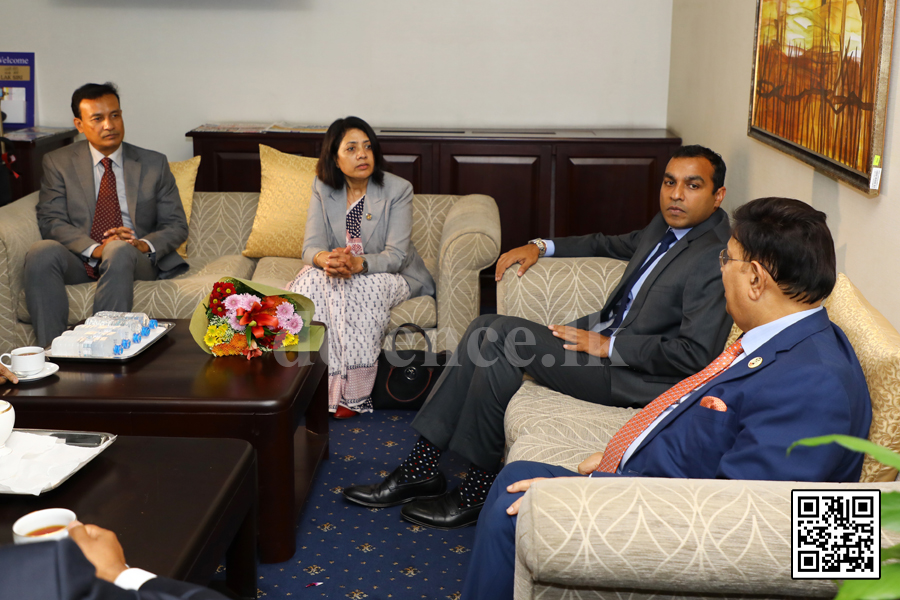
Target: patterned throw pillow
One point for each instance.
(185, 173)
(877, 346)
(280, 220)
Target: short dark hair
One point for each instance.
(715, 159)
(327, 170)
(92, 91)
(791, 240)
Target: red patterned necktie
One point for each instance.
(636, 425)
(108, 213)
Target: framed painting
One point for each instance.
(820, 84)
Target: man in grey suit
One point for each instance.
(666, 320)
(108, 212)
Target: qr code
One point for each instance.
(836, 534)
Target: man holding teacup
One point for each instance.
(23, 362)
(7, 375)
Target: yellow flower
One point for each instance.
(291, 340)
(215, 335)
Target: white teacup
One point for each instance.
(28, 528)
(7, 420)
(25, 361)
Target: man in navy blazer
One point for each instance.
(796, 376)
(89, 566)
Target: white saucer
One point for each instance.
(48, 370)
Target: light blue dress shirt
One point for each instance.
(614, 359)
(119, 172)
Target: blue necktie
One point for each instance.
(667, 240)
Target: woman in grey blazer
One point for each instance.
(360, 260)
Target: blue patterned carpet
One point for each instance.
(356, 552)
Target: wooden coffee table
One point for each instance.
(175, 389)
(178, 506)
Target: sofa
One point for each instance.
(639, 538)
(457, 236)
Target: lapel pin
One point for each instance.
(755, 362)
(368, 216)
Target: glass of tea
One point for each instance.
(43, 525)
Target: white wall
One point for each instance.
(709, 92)
(180, 63)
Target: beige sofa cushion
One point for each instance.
(877, 346)
(283, 201)
(161, 299)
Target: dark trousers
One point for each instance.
(493, 564)
(50, 267)
(465, 410)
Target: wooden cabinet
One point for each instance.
(31, 145)
(547, 183)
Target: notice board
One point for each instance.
(17, 89)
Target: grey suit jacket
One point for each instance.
(385, 237)
(677, 324)
(66, 203)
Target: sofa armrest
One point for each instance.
(18, 231)
(647, 536)
(470, 242)
(558, 290)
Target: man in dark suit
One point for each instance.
(108, 212)
(665, 320)
(792, 375)
(89, 566)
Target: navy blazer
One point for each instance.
(59, 571)
(808, 384)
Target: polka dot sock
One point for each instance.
(422, 462)
(474, 489)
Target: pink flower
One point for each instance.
(284, 312)
(234, 320)
(294, 324)
(237, 301)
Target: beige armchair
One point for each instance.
(641, 538)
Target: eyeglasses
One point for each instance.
(724, 258)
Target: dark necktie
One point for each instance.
(108, 213)
(622, 303)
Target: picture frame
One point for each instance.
(819, 92)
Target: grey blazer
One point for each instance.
(385, 237)
(66, 204)
(677, 324)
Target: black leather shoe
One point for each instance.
(391, 492)
(443, 513)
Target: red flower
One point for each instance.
(222, 290)
(259, 316)
(216, 306)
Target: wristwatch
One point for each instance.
(541, 244)
(365, 268)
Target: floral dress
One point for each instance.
(357, 312)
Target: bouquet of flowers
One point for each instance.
(246, 318)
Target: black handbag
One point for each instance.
(405, 377)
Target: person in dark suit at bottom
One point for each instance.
(792, 375)
(88, 566)
(665, 321)
(108, 212)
